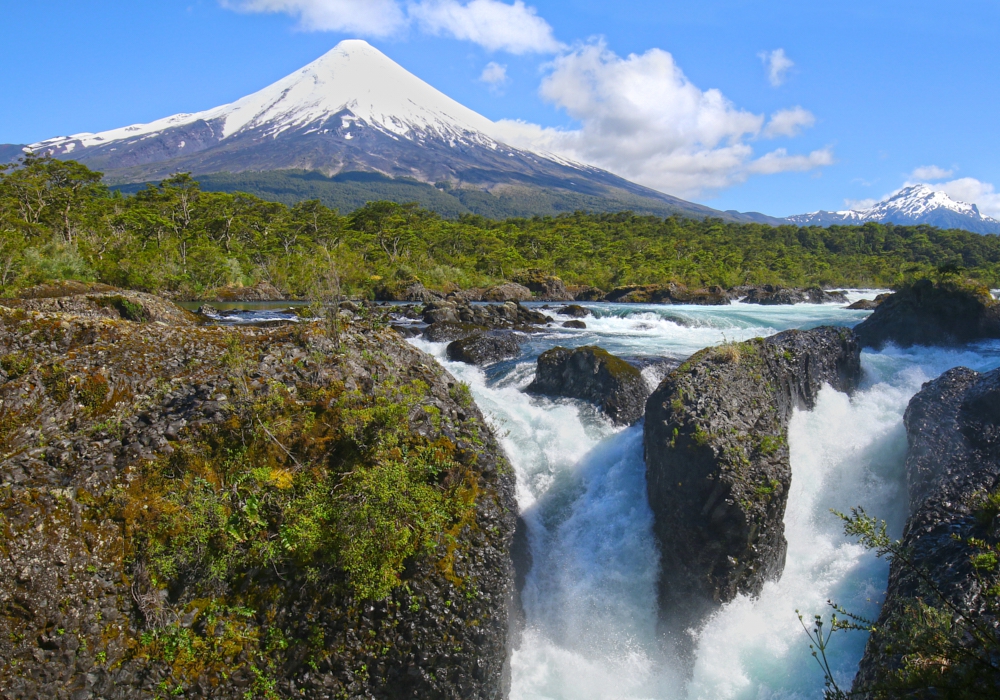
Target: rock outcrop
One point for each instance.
(101, 301)
(486, 348)
(668, 294)
(928, 313)
(228, 513)
(412, 291)
(717, 466)
(593, 374)
(545, 287)
(869, 304)
(573, 311)
(507, 292)
(451, 320)
(768, 295)
(953, 473)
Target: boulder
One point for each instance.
(262, 291)
(672, 293)
(486, 348)
(587, 293)
(929, 313)
(717, 467)
(447, 318)
(770, 295)
(412, 291)
(573, 310)
(507, 292)
(545, 287)
(579, 325)
(869, 304)
(952, 473)
(593, 374)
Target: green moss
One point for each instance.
(770, 444)
(93, 391)
(126, 308)
(16, 364)
(55, 379)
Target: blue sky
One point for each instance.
(877, 94)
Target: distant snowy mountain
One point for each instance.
(355, 110)
(917, 204)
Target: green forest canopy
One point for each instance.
(59, 221)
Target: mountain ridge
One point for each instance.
(353, 110)
(912, 205)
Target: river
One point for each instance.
(590, 597)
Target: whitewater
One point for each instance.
(590, 596)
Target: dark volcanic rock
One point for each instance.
(405, 291)
(668, 294)
(545, 287)
(575, 324)
(109, 425)
(717, 465)
(953, 462)
(593, 374)
(448, 318)
(486, 348)
(101, 301)
(768, 295)
(927, 313)
(868, 304)
(574, 310)
(587, 293)
(507, 292)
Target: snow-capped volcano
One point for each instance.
(354, 81)
(916, 204)
(353, 111)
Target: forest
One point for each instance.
(59, 221)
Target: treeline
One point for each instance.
(59, 221)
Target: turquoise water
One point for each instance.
(590, 598)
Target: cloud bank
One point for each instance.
(641, 118)
(494, 25)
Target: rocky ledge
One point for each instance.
(935, 617)
(717, 464)
(593, 374)
(929, 313)
(243, 513)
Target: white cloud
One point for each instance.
(789, 122)
(973, 191)
(492, 24)
(641, 118)
(860, 204)
(494, 74)
(777, 64)
(930, 172)
(366, 17)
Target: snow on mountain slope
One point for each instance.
(354, 76)
(916, 204)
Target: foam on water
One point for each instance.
(590, 598)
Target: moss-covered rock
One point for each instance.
(950, 541)
(717, 466)
(932, 313)
(101, 301)
(593, 374)
(245, 513)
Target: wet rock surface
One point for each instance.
(717, 463)
(93, 405)
(952, 464)
(545, 287)
(593, 374)
(668, 294)
(768, 295)
(486, 348)
(450, 320)
(869, 304)
(928, 313)
(573, 311)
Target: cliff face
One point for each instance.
(953, 469)
(717, 467)
(231, 513)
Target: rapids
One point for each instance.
(590, 597)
